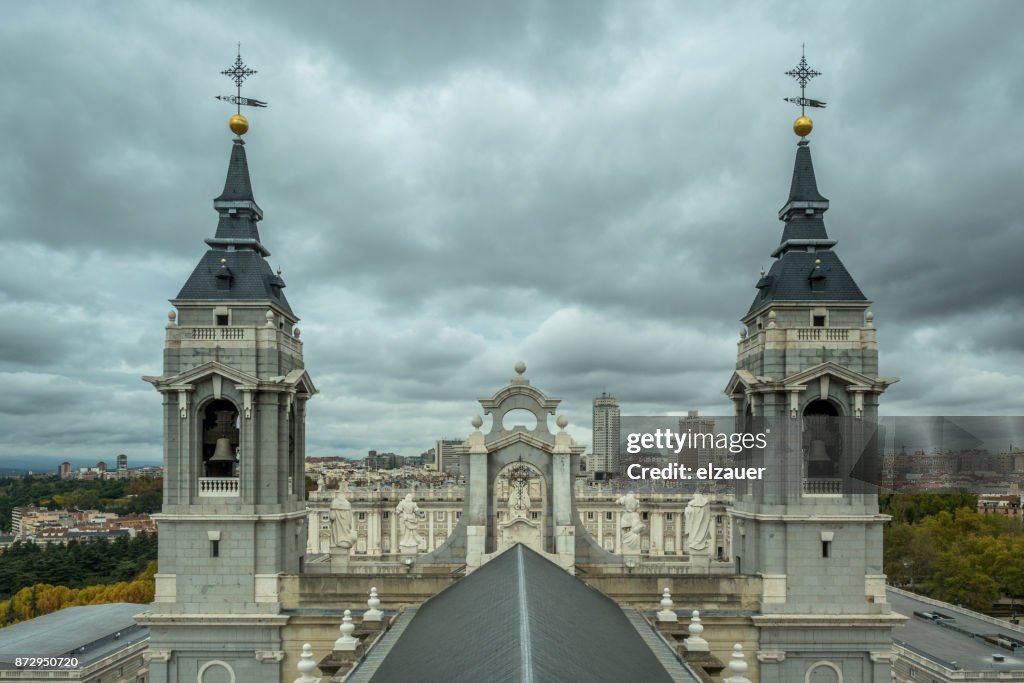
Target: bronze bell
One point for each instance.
(223, 452)
(819, 452)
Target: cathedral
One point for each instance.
(522, 576)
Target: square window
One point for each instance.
(222, 320)
(439, 515)
(534, 515)
(386, 514)
(819, 321)
(361, 516)
(669, 516)
(607, 516)
(590, 516)
(645, 516)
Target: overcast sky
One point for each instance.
(449, 187)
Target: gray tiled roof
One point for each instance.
(251, 279)
(954, 636)
(519, 618)
(790, 280)
(91, 632)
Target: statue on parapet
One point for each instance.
(630, 523)
(698, 523)
(409, 524)
(341, 522)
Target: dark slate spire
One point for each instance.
(805, 267)
(237, 186)
(235, 266)
(804, 187)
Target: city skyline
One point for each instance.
(592, 189)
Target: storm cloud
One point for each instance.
(451, 186)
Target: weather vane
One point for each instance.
(238, 72)
(803, 74)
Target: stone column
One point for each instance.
(677, 522)
(373, 532)
(657, 533)
(618, 532)
(393, 518)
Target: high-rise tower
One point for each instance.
(807, 371)
(605, 458)
(234, 399)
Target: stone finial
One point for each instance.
(737, 666)
(520, 367)
(869, 317)
(743, 333)
(172, 317)
(666, 613)
(296, 333)
(270, 319)
(373, 612)
(306, 666)
(477, 422)
(562, 421)
(346, 643)
(771, 320)
(695, 642)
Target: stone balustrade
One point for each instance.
(823, 487)
(219, 487)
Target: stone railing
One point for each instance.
(212, 333)
(218, 487)
(823, 334)
(823, 487)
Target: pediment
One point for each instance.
(519, 436)
(201, 372)
(740, 381)
(839, 372)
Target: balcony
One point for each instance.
(218, 487)
(823, 487)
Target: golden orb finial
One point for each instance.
(803, 125)
(238, 124)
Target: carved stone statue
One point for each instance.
(408, 524)
(698, 523)
(630, 523)
(341, 522)
(321, 483)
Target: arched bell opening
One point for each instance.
(220, 439)
(822, 447)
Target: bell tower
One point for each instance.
(234, 391)
(807, 373)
